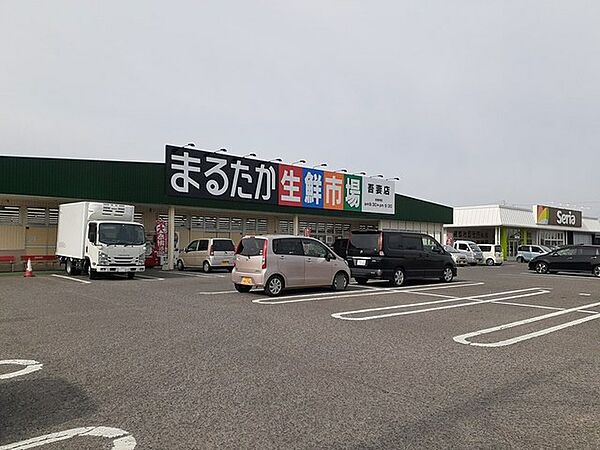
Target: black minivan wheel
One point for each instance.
(596, 271)
(274, 286)
(447, 275)
(399, 278)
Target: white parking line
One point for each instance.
(471, 301)
(200, 275)
(30, 366)
(216, 292)
(463, 338)
(71, 279)
(148, 277)
(330, 296)
(584, 294)
(579, 276)
(121, 439)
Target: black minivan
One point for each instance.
(397, 256)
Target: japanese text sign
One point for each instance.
(208, 175)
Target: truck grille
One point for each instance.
(122, 261)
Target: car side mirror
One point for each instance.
(328, 257)
(436, 250)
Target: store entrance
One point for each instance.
(512, 248)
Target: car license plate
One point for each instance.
(224, 262)
(247, 281)
(361, 262)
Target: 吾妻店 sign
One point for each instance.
(547, 215)
(208, 175)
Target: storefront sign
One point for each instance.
(208, 175)
(547, 215)
(161, 237)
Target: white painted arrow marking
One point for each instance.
(122, 439)
(30, 366)
(463, 338)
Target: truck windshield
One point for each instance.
(121, 234)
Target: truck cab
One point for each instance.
(96, 238)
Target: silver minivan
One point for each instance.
(278, 262)
(207, 254)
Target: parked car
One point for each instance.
(470, 248)
(526, 253)
(207, 254)
(492, 254)
(573, 258)
(459, 257)
(278, 262)
(397, 256)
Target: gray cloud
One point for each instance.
(504, 92)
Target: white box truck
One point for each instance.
(98, 238)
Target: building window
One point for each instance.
(180, 220)
(210, 223)
(224, 223)
(9, 215)
(52, 216)
(262, 226)
(36, 216)
(236, 224)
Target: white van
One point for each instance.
(207, 254)
(470, 248)
(492, 254)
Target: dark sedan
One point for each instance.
(573, 258)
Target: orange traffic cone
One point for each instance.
(29, 269)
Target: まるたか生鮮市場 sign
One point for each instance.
(217, 176)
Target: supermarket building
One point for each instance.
(511, 226)
(173, 193)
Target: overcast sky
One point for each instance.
(470, 102)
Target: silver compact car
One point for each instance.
(278, 262)
(459, 257)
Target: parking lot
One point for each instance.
(499, 358)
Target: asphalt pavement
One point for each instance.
(500, 358)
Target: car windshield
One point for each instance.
(121, 234)
(474, 247)
(251, 247)
(363, 244)
(450, 249)
(545, 249)
(223, 246)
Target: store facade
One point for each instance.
(249, 199)
(511, 227)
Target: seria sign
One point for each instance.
(547, 215)
(216, 176)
